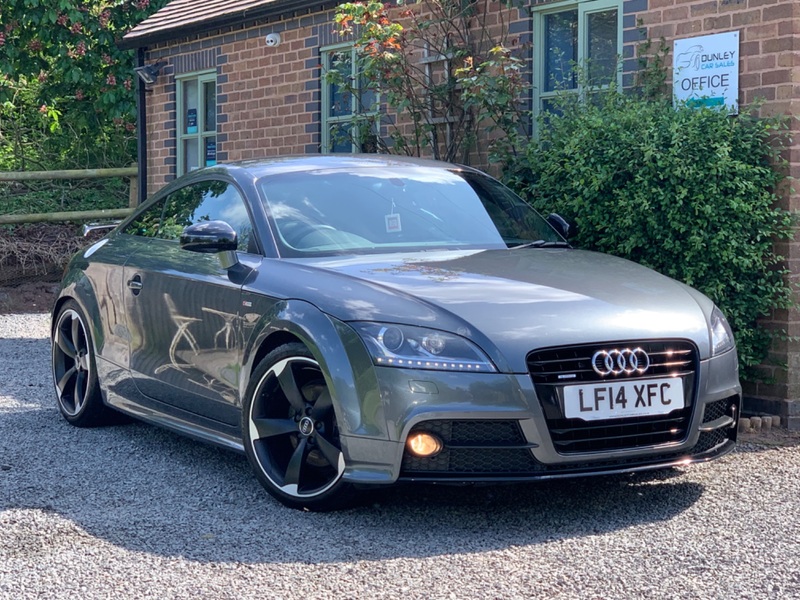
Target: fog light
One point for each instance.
(424, 444)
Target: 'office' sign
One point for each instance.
(705, 71)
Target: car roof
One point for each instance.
(261, 167)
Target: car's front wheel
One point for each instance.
(290, 432)
(75, 371)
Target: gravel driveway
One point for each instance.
(135, 512)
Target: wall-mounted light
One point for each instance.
(149, 73)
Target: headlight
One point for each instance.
(721, 334)
(421, 348)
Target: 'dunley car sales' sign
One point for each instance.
(706, 71)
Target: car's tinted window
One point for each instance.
(147, 223)
(207, 201)
(514, 218)
(391, 209)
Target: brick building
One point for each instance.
(245, 78)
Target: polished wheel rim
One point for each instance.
(71, 362)
(293, 430)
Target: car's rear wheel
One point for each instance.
(290, 432)
(75, 371)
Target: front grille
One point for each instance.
(709, 440)
(490, 449)
(721, 408)
(475, 433)
(474, 448)
(573, 364)
(715, 410)
(554, 368)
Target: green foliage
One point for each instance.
(70, 47)
(690, 193)
(67, 97)
(43, 137)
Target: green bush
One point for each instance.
(689, 193)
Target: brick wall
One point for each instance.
(268, 98)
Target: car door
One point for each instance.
(184, 310)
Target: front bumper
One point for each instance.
(494, 429)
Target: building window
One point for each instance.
(349, 107)
(579, 44)
(197, 121)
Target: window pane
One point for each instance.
(146, 224)
(210, 99)
(365, 137)
(368, 98)
(207, 201)
(561, 48)
(190, 106)
(552, 107)
(602, 51)
(339, 96)
(190, 155)
(340, 140)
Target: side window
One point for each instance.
(207, 201)
(147, 224)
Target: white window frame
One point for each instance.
(539, 51)
(200, 78)
(327, 120)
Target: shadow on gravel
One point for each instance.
(148, 490)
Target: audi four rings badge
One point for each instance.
(617, 362)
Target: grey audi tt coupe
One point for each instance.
(355, 321)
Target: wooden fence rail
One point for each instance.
(83, 215)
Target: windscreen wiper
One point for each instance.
(542, 244)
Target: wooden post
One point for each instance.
(133, 195)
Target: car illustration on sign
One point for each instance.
(357, 321)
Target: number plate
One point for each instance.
(621, 399)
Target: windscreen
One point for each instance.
(410, 208)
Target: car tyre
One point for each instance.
(290, 432)
(75, 371)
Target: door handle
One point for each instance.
(135, 285)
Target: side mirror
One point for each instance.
(560, 224)
(212, 237)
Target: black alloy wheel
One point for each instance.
(75, 371)
(290, 432)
